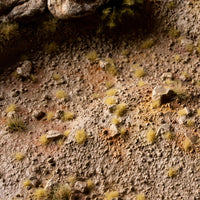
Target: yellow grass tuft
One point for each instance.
(27, 183)
(141, 83)
(115, 121)
(174, 33)
(50, 48)
(168, 135)
(182, 112)
(150, 136)
(43, 139)
(123, 130)
(111, 92)
(62, 193)
(187, 144)
(16, 124)
(111, 195)
(92, 56)
(109, 84)
(50, 116)
(139, 72)
(90, 184)
(40, 194)
(110, 101)
(121, 109)
(19, 156)
(56, 76)
(147, 43)
(177, 58)
(11, 107)
(68, 115)
(156, 104)
(172, 172)
(190, 122)
(140, 196)
(61, 94)
(80, 136)
(198, 111)
(66, 133)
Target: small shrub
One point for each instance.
(61, 94)
(15, 123)
(140, 196)
(92, 56)
(66, 133)
(62, 193)
(19, 156)
(111, 195)
(111, 92)
(80, 136)
(68, 115)
(150, 136)
(11, 107)
(51, 48)
(121, 109)
(111, 69)
(174, 33)
(187, 144)
(41, 194)
(139, 72)
(49, 116)
(110, 100)
(27, 183)
(172, 172)
(147, 43)
(43, 139)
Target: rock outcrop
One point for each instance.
(11, 10)
(73, 8)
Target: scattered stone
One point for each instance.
(80, 186)
(25, 69)
(103, 64)
(72, 8)
(182, 119)
(166, 75)
(163, 129)
(52, 134)
(38, 114)
(162, 94)
(114, 131)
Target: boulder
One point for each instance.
(19, 9)
(25, 69)
(52, 134)
(73, 8)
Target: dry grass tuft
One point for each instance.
(92, 56)
(150, 136)
(111, 92)
(49, 116)
(121, 109)
(66, 133)
(187, 144)
(51, 48)
(41, 194)
(115, 121)
(172, 172)
(168, 135)
(60, 94)
(111, 195)
(43, 139)
(62, 193)
(139, 72)
(56, 76)
(11, 107)
(19, 156)
(110, 101)
(15, 123)
(147, 43)
(80, 136)
(27, 183)
(174, 33)
(90, 184)
(140, 196)
(68, 116)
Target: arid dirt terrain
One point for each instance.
(79, 120)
